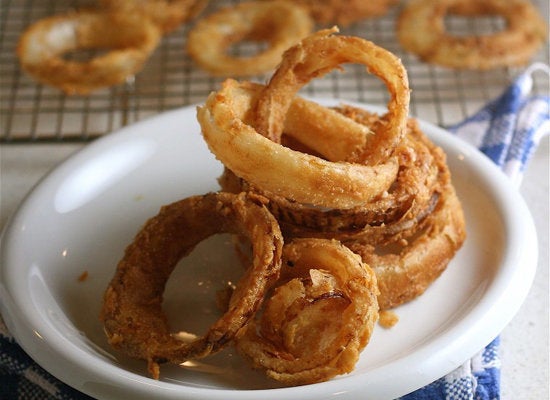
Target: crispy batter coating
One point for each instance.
(305, 178)
(318, 318)
(132, 309)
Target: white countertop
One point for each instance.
(524, 343)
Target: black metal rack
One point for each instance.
(31, 112)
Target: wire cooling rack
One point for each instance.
(31, 112)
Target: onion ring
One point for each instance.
(320, 316)
(279, 170)
(344, 13)
(168, 15)
(132, 309)
(421, 30)
(315, 56)
(405, 269)
(130, 38)
(279, 23)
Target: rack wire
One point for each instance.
(31, 112)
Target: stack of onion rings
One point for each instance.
(368, 224)
(129, 38)
(403, 211)
(319, 316)
(418, 225)
(421, 30)
(279, 23)
(132, 310)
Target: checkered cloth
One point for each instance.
(507, 130)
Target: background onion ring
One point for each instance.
(279, 23)
(132, 310)
(167, 14)
(129, 38)
(344, 13)
(421, 30)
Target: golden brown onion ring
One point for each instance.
(166, 14)
(406, 268)
(281, 24)
(132, 310)
(315, 56)
(319, 317)
(421, 30)
(277, 169)
(344, 13)
(128, 38)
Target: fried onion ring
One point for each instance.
(317, 55)
(168, 15)
(277, 169)
(129, 38)
(132, 310)
(319, 317)
(344, 13)
(421, 30)
(407, 267)
(281, 24)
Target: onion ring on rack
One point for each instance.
(319, 317)
(168, 15)
(345, 12)
(421, 30)
(277, 169)
(132, 309)
(315, 56)
(281, 24)
(129, 38)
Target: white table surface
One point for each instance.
(524, 342)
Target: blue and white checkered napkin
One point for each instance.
(507, 130)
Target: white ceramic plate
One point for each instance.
(82, 216)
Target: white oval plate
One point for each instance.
(83, 214)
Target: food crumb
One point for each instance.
(83, 276)
(387, 319)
